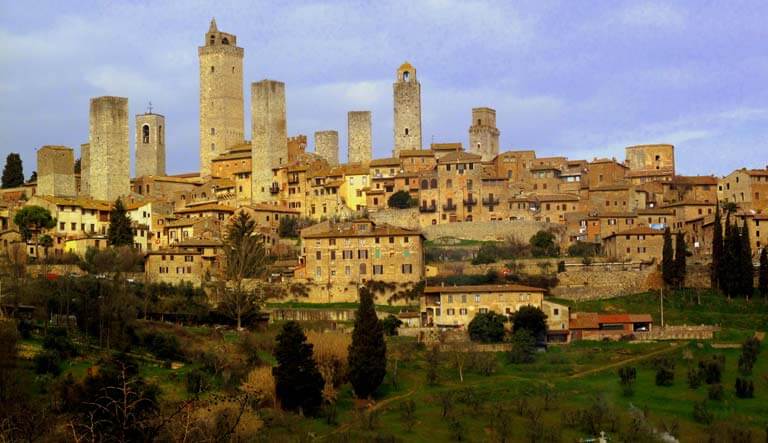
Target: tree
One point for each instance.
(487, 327)
(245, 258)
(13, 173)
(627, 376)
(746, 270)
(401, 200)
(681, 252)
(120, 232)
(390, 324)
(368, 351)
(532, 319)
(78, 165)
(523, 347)
(543, 244)
(298, 383)
(717, 251)
(668, 260)
(46, 241)
(32, 220)
(762, 276)
(665, 371)
(32, 177)
(729, 278)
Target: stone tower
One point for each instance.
(269, 144)
(407, 97)
(221, 95)
(150, 144)
(327, 146)
(483, 134)
(297, 146)
(85, 169)
(110, 155)
(359, 140)
(56, 171)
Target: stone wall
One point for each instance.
(407, 99)
(491, 230)
(403, 218)
(85, 169)
(327, 146)
(110, 156)
(359, 139)
(592, 283)
(269, 144)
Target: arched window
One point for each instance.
(160, 134)
(406, 76)
(213, 39)
(213, 69)
(479, 122)
(424, 184)
(406, 131)
(433, 183)
(145, 134)
(224, 41)
(449, 183)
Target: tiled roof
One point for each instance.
(347, 229)
(82, 202)
(638, 230)
(272, 208)
(389, 161)
(459, 156)
(446, 146)
(416, 153)
(208, 207)
(481, 288)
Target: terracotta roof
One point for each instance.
(616, 187)
(234, 155)
(82, 202)
(638, 230)
(459, 156)
(689, 203)
(199, 242)
(624, 318)
(348, 230)
(481, 288)
(583, 320)
(173, 251)
(693, 180)
(556, 197)
(446, 146)
(207, 207)
(608, 214)
(272, 208)
(416, 153)
(655, 211)
(649, 172)
(388, 161)
(758, 172)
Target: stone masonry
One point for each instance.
(327, 146)
(85, 168)
(407, 98)
(110, 154)
(56, 171)
(483, 134)
(150, 144)
(221, 96)
(270, 139)
(359, 138)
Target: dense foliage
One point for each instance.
(543, 244)
(401, 200)
(120, 232)
(298, 383)
(13, 172)
(368, 351)
(532, 319)
(487, 327)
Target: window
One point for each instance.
(318, 255)
(362, 254)
(347, 255)
(333, 255)
(407, 268)
(213, 131)
(347, 271)
(378, 269)
(391, 240)
(318, 271)
(188, 258)
(463, 298)
(406, 77)
(145, 134)
(406, 131)
(450, 311)
(363, 269)
(477, 298)
(556, 311)
(483, 310)
(462, 311)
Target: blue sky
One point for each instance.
(580, 79)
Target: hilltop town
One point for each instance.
(438, 235)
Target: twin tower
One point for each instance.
(222, 121)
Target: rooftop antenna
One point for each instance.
(149, 107)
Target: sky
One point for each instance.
(582, 79)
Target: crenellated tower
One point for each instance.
(483, 134)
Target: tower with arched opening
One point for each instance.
(150, 144)
(407, 98)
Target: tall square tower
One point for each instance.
(407, 98)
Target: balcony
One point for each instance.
(491, 201)
(430, 208)
(274, 188)
(449, 207)
(470, 201)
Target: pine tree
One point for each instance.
(747, 271)
(298, 383)
(681, 251)
(120, 232)
(732, 254)
(368, 351)
(717, 250)
(13, 173)
(667, 260)
(763, 273)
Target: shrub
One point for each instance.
(331, 352)
(744, 388)
(665, 371)
(701, 413)
(484, 363)
(401, 200)
(694, 378)
(488, 253)
(713, 369)
(260, 383)
(749, 352)
(48, 362)
(523, 347)
(583, 249)
(487, 327)
(163, 346)
(561, 266)
(531, 318)
(197, 381)
(433, 363)
(715, 392)
(25, 329)
(627, 377)
(57, 341)
(390, 325)
(543, 244)
(408, 414)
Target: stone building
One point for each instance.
(56, 171)
(269, 142)
(638, 243)
(483, 134)
(327, 146)
(650, 162)
(359, 137)
(150, 144)
(110, 156)
(748, 188)
(221, 95)
(297, 146)
(407, 98)
(85, 170)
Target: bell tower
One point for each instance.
(407, 98)
(221, 95)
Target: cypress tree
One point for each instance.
(13, 172)
(747, 274)
(763, 273)
(717, 250)
(667, 260)
(119, 232)
(732, 257)
(368, 351)
(298, 383)
(681, 252)
(32, 177)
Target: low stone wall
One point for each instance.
(404, 218)
(592, 283)
(484, 231)
(40, 269)
(679, 332)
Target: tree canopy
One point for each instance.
(298, 382)
(120, 232)
(543, 244)
(33, 219)
(532, 319)
(401, 200)
(668, 260)
(487, 327)
(368, 351)
(13, 172)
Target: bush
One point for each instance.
(749, 352)
(627, 377)
(57, 341)
(401, 200)
(48, 362)
(561, 266)
(715, 392)
(488, 253)
(523, 347)
(713, 369)
(163, 346)
(487, 327)
(543, 245)
(744, 388)
(390, 325)
(531, 318)
(694, 378)
(197, 381)
(665, 371)
(701, 413)
(584, 249)
(260, 383)
(484, 363)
